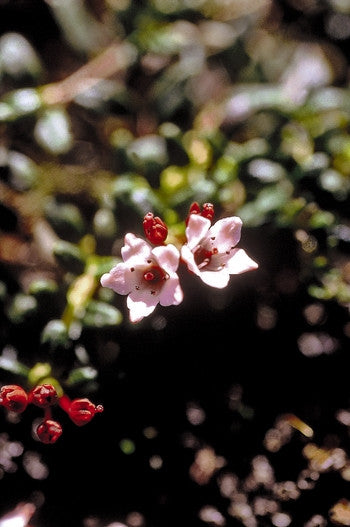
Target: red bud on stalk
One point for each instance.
(155, 229)
(14, 398)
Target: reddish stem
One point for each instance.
(64, 402)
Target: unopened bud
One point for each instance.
(207, 211)
(49, 431)
(43, 395)
(81, 411)
(14, 398)
(155, 229)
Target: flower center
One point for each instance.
(202, 256)
(155, 274)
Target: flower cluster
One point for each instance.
(148, 275)
(15, 399)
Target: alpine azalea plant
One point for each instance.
(148, 275)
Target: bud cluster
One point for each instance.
(207, 211)
(15, 399)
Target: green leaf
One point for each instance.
(53, 131)
(99, 314)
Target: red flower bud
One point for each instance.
(81, 411)
(155, 229)
(49, 431)
(195, 208)
(207, 211)
(43, 395)
(13, 398)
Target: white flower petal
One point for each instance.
(117, 279)
(227, 233)
(218, 279)
(140, 309)
(188, 257)
(171, 293)
(197, 229)
(168, 257)
(136, 250)
(240, 262)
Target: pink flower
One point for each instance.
(211, 252)
(147, 275)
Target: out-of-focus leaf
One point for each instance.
(100, 314)
(66, 219)
(80, 375)
(81, 30)
(9, 362)
(134, 191)
(104, 223)
(18, 57)
(69, 256)
(22, 308)
(24, 171)
(20, 103)
(268, 201)
(55, 334)
(53, 131)
(266, 171)
(147, 153)
(38, 372)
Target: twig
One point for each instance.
(117, 57)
